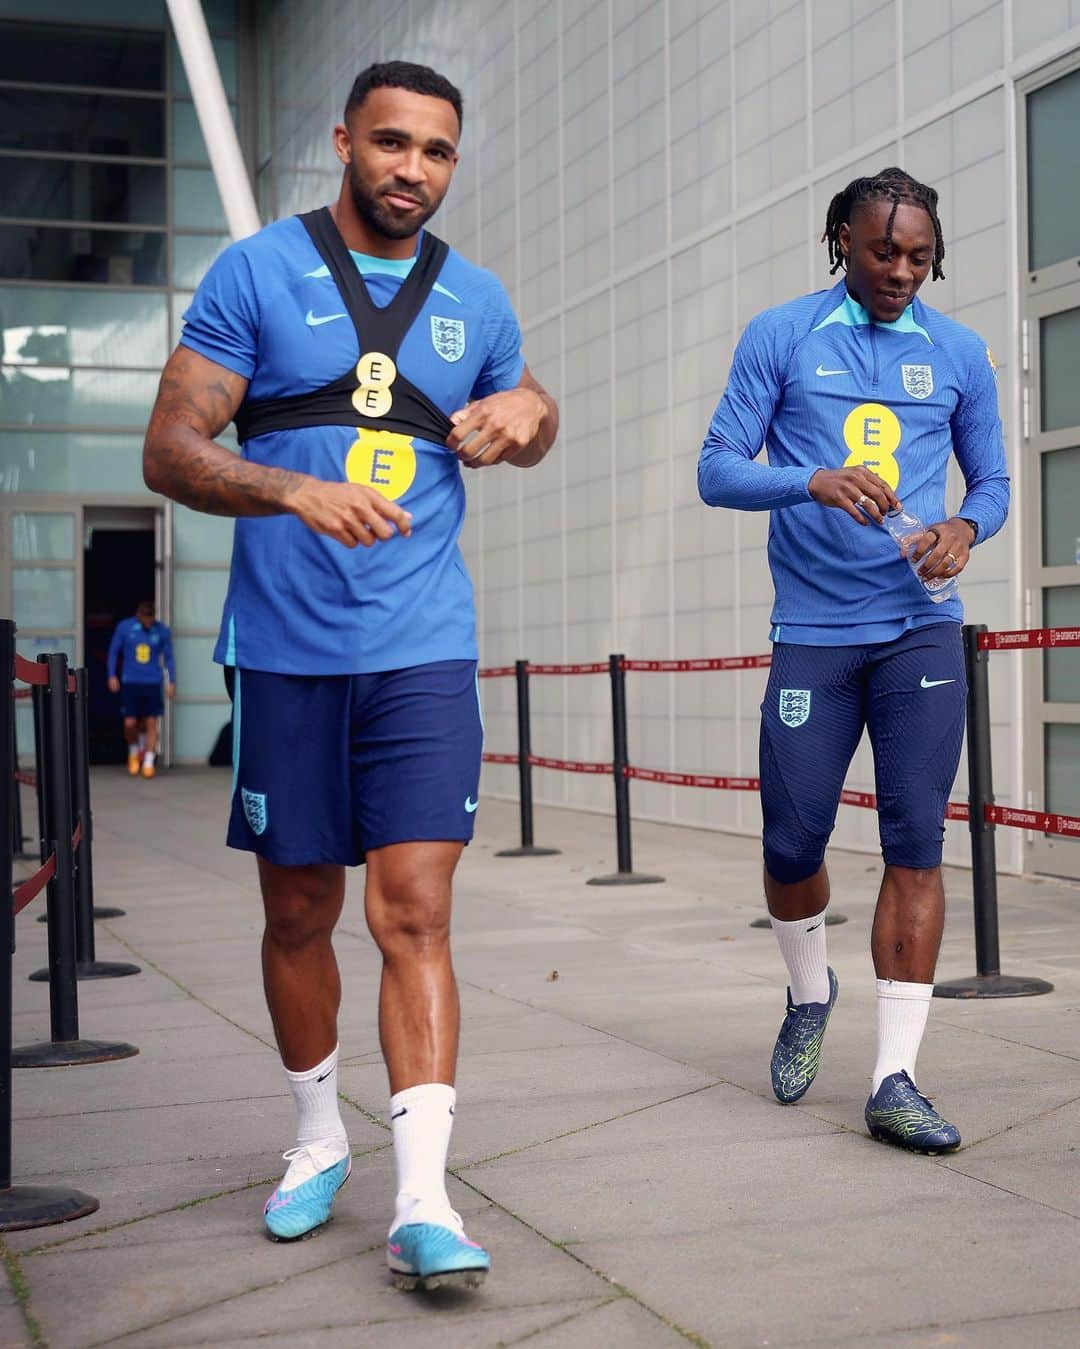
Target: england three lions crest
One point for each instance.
(794, 706)
(918, 380)
(448, 337)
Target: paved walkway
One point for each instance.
(617, 1146)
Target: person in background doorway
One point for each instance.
(141, 644)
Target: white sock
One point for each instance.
(142, 742)
(902, 1010)
(134, 751)
(148, 757)
(802, 944)
(315, 1093)
(420, 1120)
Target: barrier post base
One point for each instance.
(530, 851)
(993, 986)
(69, 1053)
(23, 1206)
(831, 920)
(92, 969)
(625, 878)
(98, 913)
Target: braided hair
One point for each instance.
(893, 185)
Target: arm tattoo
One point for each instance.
(196, 400)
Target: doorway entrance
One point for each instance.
(119, 570)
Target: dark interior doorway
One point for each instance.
(118, 573)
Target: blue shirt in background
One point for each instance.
(822, 386)
(141, 651)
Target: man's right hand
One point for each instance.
(114, 684)
(348, 512)
(858, 491)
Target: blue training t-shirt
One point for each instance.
(140, 651)
(300, 602)
(822, 386)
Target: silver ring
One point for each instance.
(470, 457)
(863, 498)
(953, 560)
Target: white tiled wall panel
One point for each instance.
(644, 176)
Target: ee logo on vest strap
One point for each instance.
(384, 460)
(376, 373)
(872, 433)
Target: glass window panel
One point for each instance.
(220, 14)
(39, 537)
(90, 124)
(1053, 114)
(1061, 609)
(44, 597)
(196, 674)
(110, 58)
(1061, 508)
(38, 394)
(195, 727)
(201, 538)
(224, 50)
(198, 598)
(180, 302)
(1063, 769)
(24, 735)
(1059, 341)
(187, 137)
(43, 326)
(193, 254)
(40, 644)
(196, 204)
(142, 12)
(66, 461)
(57, 189)
(112, 257)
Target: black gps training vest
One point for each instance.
(374, 392)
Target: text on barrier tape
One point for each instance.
(705, 663)
(569, 765)
(27, 779)
(1036, 820)
(1025, 638)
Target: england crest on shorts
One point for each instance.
(448, 337)
(918, 380)
(254, 809)
(794, 706)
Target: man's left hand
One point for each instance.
(171, 690)
(943, 549)
(497, 427)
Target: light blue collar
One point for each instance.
(370, 266)
(851, 313)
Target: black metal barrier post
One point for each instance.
(528, 848)
(21, 1206)
(626, 875)
(54, 779)
(988, 981)
(87, 965)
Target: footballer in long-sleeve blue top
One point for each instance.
(821, 384)
(862, 394)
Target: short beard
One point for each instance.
(377, 217)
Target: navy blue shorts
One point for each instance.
(911, 695)
(141, 700)
(330, 767)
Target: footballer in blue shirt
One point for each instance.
(366, 365)
(863, 395)
(139, 648)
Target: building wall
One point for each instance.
(645, 175)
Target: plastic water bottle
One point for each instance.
(902, 525)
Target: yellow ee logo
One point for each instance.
(872, 433)
(384, 460)
(142, 653)
(376, 373)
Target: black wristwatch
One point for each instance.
(974, 527)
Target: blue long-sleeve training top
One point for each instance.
(143, 650)
(820, 385)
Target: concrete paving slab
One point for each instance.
(1047, 1330)
(621, 1322)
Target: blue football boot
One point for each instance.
(797, 1054)
(899, 1113)
(301, 1203)
(431, 1256)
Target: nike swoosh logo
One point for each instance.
(324, 1076)
(822, 371)
(925, 683)
(403, 1111)
(470, 804)
(313, 322)
(815, 927)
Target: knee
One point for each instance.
(305, 914)
(791, 867)
(411, 918)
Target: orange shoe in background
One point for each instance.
(148, 769)
(133, 762)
